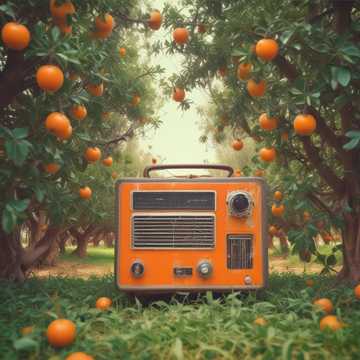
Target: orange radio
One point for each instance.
(191, 233)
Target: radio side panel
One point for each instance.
(176, 268)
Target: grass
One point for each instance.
(202, 329)
(96, 256)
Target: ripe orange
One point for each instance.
(58, 124)
(237, 145)
(52, 168)
(66, 133)
(260, 321)
(135, 101)
(122, 52)
(278, 195)
(95, 89)
(61, 333)
(15, 36)
(108, 161)
(222, 71)
(256, 89)
(304, 124)
(277, 210)
(100, 34)
(153, 161)
(267, 123)
(103, 303)
(259, 173)
(155, 20)
(267, 49)
(49, 78)
(357, 291)
(325, 305)
(79, 112)
(181, 35)
(79, 356)
(201, 29)
(85, 192)
(26, 330)
(114, 175)
(267, 154)
(243, 71)
(92, 154)
(330, 322)
(237, 172)
(309, 282)
(178, 94)
(273, 230)
(306, 216)
(65, 29)
(104, 23)
(60, 12)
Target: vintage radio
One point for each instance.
(191, 233)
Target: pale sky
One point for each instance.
(177, 139)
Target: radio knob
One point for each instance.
(240, 203)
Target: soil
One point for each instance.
(74, 269)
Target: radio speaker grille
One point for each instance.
(240, 251)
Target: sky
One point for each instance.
(177, 139)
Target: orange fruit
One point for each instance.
(181, 35)
(260, 321)
(153, 161)
(357, 291)
(108, 161)
(256, 89)
(26, 330)
(114, 175)
(267, 49)
(267, 123)
(52, 168)
(243, 71)
(79, 356)
(122, 52)
(61, 333)
(273, 230)
(201, 29)
(304, 124)
(278, 195)
(277, 210)
(178, 94)
(103, 303)
(330, 322)
(222, 71)
(92, 154)
(58, 124)
(79, 112)
(267, 154)
(15, 36)
(325, 305)
(100, 34)
(237, 145)
(155, 20)
(95, 89)
(104, 23)
(306, 216)
(49, 78)
(259, 173)
(85, 192)
(237, 172)
(66, 133)
(135, 101)
(309, 282)
(61, 12)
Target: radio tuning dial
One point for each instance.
(240, 203)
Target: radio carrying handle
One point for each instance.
(227, 168)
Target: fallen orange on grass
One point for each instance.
(330, 322)
(103, 303)
(260, 321)
(61, 333)
(79, 356)
(324, 304)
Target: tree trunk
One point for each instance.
(109, 240)
(82, 241)
(97, 238)
(62, 242)
(284, 245)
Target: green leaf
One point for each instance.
(19, 205)
(352, 144)
(343, 76)
(39, 194)
(286, 35)
(353, 134)
(55, 33)
(8, 219)
(17, 151)
(351, 51)
(20, 133)
(178, 349)
(25, 343)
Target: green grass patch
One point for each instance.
(207, 328)
(95, 256)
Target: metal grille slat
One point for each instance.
(177, 231)
(240, 251)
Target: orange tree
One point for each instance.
(62, 74)
(290, 77)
